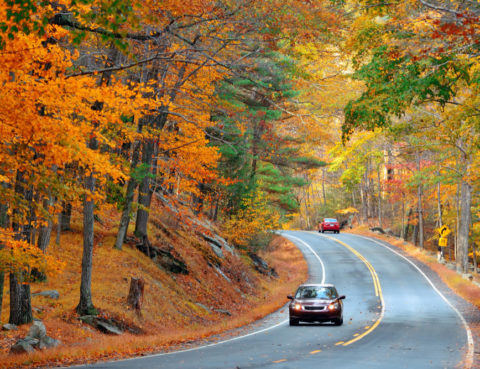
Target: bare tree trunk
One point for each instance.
(144, 192)
(407, 226)
(420, 205)
(127, 207)
(457, 223)
(20, 302)
(65, 216)
(379, 201)
(85, 305)
(45, 232)
(20, 297)
(464, 228)
(439, 205)
(474, 251)
(324, 194)
(402, 230)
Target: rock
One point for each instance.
(22, 347)
(106, 327)
(163, 257)
(37, 330)
(203, 307)
(48, 342)
(217, 250)
(223, 311)
(219, 271)
(9, 327)
(262, 266)
(88, 319)
(53, 294)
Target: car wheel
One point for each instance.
(320, 230)
(294, 321)
(338, 321)
(323, 231)
(338, 231)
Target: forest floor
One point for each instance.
(217, 295)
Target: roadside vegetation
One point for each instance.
(165, 142)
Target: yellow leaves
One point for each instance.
(256, 217)
(18, 256)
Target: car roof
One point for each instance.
(316, 285)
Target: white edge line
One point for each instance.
(231, 339)
(314, 253)
(469, 359)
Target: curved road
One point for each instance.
(393, 318)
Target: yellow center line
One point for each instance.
(378, 292)
(279, 361)
(315, 352)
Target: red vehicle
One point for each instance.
(316, 303)
(329, 224)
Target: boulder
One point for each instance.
(108, 328)
(37, 330)
(223, 311)
(217, 250)
(261, 265)
(53, 294)
(9, 327)
(48, 342)
(24, 346)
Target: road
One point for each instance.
(393, 318)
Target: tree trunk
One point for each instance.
(127, 208)
(20, 302)
(135, 294)
(379, 204)
(464, 228)
(20, 298)
(85, 305)
(474, 251)
(420, 205)
(144, 192)
(407, 226)
(66, 216)
(45, 232)
(323, 188)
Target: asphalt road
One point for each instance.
(393, 318)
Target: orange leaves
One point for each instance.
(21, 257)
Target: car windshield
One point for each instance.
(330, 220)
(316, 292)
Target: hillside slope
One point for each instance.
(210, 290)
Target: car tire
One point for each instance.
(294, 321)
(323, 231)
(338, 321)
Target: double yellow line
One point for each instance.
(377, 286)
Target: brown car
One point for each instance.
(316, 303)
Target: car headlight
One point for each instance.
(334, 306)
(297, 307)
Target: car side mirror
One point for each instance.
(343, 297)
(290, 297)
